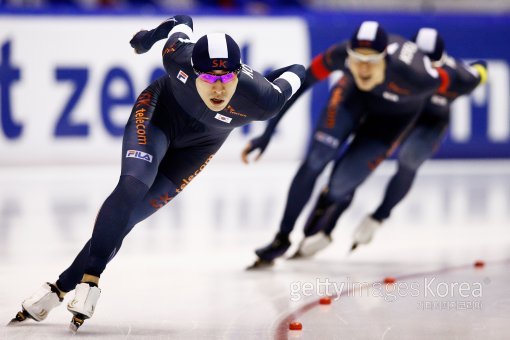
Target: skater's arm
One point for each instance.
(333, 59)
(320, 68)
(180, 26)
(261, 142)
(468, 77)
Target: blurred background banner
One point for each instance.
(68, 81)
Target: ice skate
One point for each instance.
(38, 306)
(311, 245)
(364, 232)
(267, 254)
(260, 264)
(83, 304)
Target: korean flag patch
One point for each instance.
(223, 118)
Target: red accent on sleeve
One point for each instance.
(445, 80)
(318, 68)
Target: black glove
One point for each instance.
(256, 143)
(481, 67)
(140, 43)
(143, 40)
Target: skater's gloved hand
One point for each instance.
(481, 67)
(256, 143)
(140, 43)
(143, 40)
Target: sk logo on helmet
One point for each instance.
(140, 155)
(365, 43)
(219, 63)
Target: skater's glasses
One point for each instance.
(213, 78)
(366, 58)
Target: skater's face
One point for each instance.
(368, 67)
(216, 93)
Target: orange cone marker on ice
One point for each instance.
(295, 326)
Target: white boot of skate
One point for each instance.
(83, 304)
(311, 245)
(85, 300)
(41, 302)
(364, 233)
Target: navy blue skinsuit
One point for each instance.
(169, 138)
(376, 120)
(421, 142)
(418, 145)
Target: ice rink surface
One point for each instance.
(180, 274)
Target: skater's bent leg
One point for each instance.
(303, 183)
(161, 192)
(355, 165)
(330, 220)
(323, 204)
(420, 145)
(73, 275)
(397, 189)
(111, 222)
(335, 124)
(140, 162)
(325, 214)
(178, 166)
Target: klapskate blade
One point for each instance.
(260, 264)
(75, 324)
(297, 255)
(73, 328)
(19, 318)
(14, 322)
(353, 248)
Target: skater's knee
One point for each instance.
(314, 163)
(339, 195)
(411, 158)
(129, 189)
(344, 181)
(409, 161)
(130, 182)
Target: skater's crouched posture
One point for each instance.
(385, 85)
(176, 126)
(418, 145)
